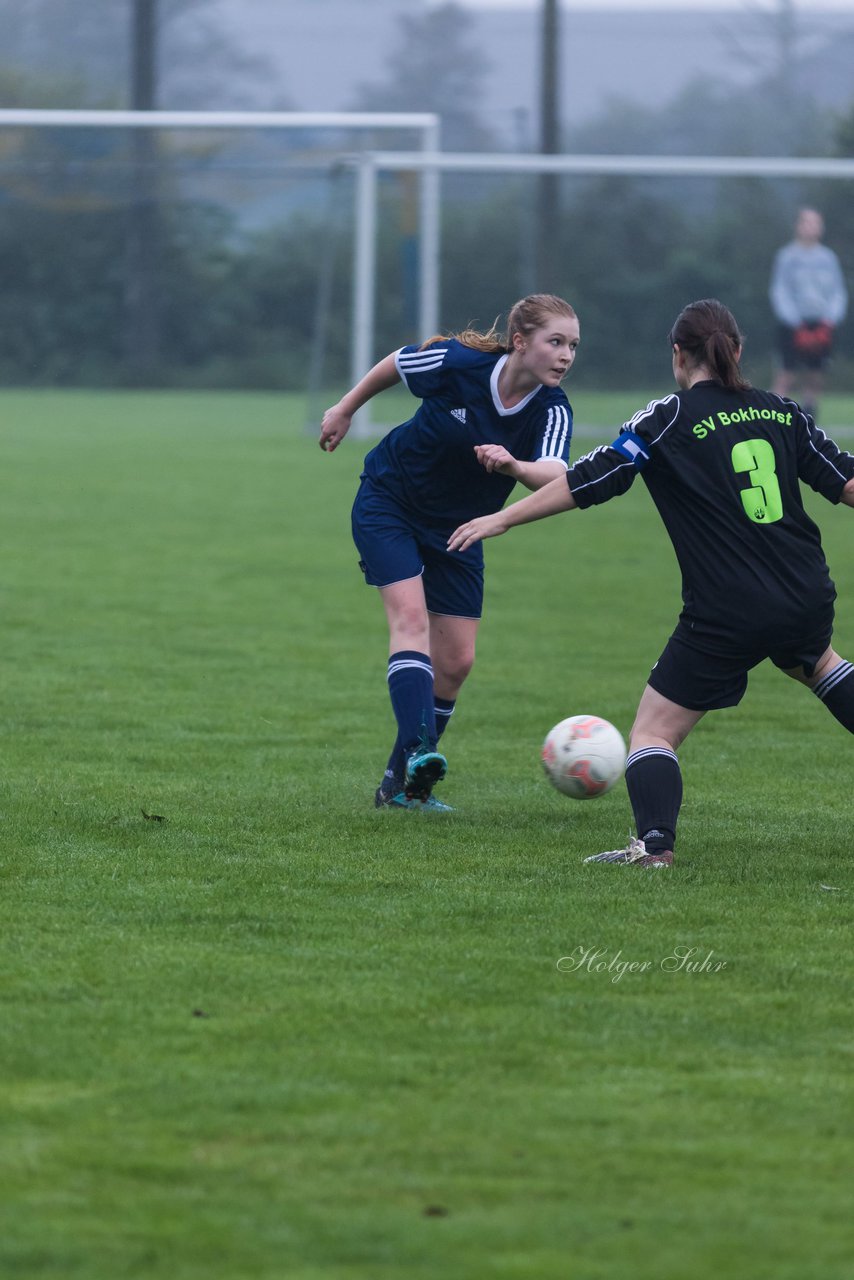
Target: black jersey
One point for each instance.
(723, 468)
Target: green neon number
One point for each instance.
(763, 501)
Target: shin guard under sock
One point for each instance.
(410, 686)
(654, 784)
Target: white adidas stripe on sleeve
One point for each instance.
(554, 438)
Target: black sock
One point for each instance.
(654, 784)
(836, 691)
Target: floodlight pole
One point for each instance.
(142, 313)
(548, 193)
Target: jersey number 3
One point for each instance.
(763, 501)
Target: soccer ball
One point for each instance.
(584, 756)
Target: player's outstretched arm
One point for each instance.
(336, 420)
(553, 497)
(533, 475)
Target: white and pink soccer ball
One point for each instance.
(584, 756)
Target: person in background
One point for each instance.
(809, 299)
(723, 462)
(492, 412)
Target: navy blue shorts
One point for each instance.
(394, 545)
(706, 677)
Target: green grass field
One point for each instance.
(253, 1028)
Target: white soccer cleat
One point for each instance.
(635, 853)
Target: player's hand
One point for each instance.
(333, 428)
(815, 338)
(476, 530)
(494, 457)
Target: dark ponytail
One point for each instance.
(708, 332)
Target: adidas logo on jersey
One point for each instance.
(460, 414)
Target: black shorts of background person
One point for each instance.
(809, 346)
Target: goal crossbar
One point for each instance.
(639, 165)
(31, 118)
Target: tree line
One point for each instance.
(233, 299)
(238, 306)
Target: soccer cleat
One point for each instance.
(423, 770)
(661, 858)
(383, 797)
(432, 805)
(635, 854)
(387, 800)
(634, 850)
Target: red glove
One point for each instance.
(814, 339)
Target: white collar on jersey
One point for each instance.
(496, 398)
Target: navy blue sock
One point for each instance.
(654, 784)
(395, 769)
(443, 709)
(836, 691)
(410, 686)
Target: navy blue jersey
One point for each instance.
(429, 463)
(723, 468)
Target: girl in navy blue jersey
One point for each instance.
(492, 413)
(723, 462)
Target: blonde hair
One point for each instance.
(525, 316)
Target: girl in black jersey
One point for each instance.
(723, 462)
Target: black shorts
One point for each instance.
(807, 347)
(703, 677)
